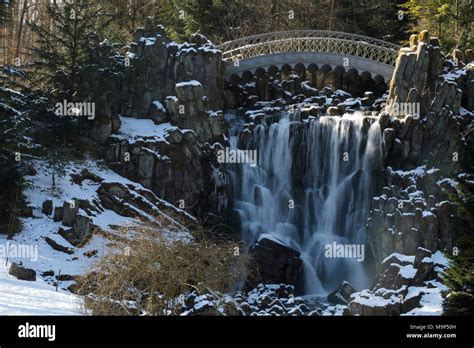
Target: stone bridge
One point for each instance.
(310, 50)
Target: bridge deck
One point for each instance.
(310, 46)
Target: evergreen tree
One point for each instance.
(450, 20)
(65, 45)
(459, 277)
(13, 121)
(226, 20)
(382, 19)
(202, 15)
(212, 18)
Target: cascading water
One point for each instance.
(311, 188)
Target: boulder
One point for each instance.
(85, 174)
(80, 231)
(421, 253)
(157, 112)
(271, 261)
(58, 247)
(412, 302)
(424, 271)
(394, 276)
(70, 210)
(26, 211)
(58, 214)
(369, 98)
(333, 111)
(368, 303)
(22, 273)
(342, 294)
(47, 207)
(175, 136)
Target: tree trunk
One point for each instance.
(24, 10)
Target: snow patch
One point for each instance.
(19, 297)
(134, 129)
(401, 257)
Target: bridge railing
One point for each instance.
(310, 41)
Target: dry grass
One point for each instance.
(148, 275)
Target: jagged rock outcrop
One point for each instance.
(179, 84)
(131, 201)
(187, 111)
(426, 94)
(101, 82)
(137, 85)
(425, 149)
(412, 211)
(155, 64)
(177, 169)
(416, 78)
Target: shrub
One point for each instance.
(150, 273)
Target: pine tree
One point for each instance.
(211, 18)
(64, 47)
(200, 15)
(459, 277)
(450, 20)
(13, 121)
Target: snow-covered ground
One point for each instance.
(19, 297)
(431, 301)
(35, 229)
(133, 129)
(40, 297)
(40, 232)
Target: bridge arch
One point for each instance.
(310, 48)
(324, 75)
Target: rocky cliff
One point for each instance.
(427, 146)
(181, 86)
(154, 65)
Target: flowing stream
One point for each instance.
(311, 188)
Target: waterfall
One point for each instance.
(311, 188)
